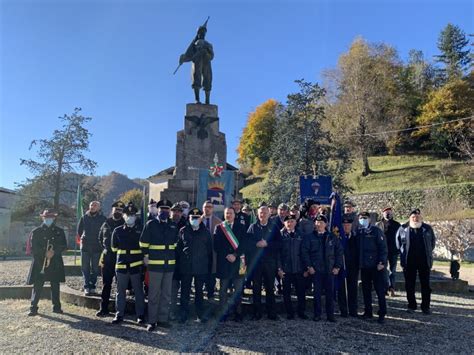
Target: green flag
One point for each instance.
(79, 210)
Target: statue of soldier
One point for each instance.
(200, 52)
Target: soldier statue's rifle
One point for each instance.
(192, 42)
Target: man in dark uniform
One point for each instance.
(229, 247)
(240, 216)
(179, 219)
(416, 241)
(108, 258)
(263, 248)
(194, 253)
(372, 261)
(347, 293)
(322, 257)
(126, 243)
(48, 241)
(158, 242)
(290, 268)
(390, 228)
(152, 210)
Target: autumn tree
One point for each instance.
(366, 96)
(60, 156)
(455, 53)
(133, 195)
(257, 136)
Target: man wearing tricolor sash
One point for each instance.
(231, 266)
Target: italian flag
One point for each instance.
(234, 242)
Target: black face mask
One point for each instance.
(117, 215)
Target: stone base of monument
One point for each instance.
(22, 292)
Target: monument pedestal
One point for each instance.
(196, 146)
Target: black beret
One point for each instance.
(364, 214)
(347, 218)
(118, 204)
(130, 209)
(176, 207)
(195, 212)
(290, 217)
(415, 211)
(164, 204)
(322, 218)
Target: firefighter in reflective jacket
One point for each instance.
(126, 243)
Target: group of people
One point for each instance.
(286, 249)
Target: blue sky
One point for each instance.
(115, 59)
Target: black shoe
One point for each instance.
(410, 310)
(58, 310)
(151, 327)
(141, 320)
(257, 316)
(426, 311)
(381, 320)
(33, 312)
(290, 316)
(332, 319)
(302, 316)
(316, 318)
(117, 320)
(166, 325)
(273, 317)
(367, 316)
(102, 313)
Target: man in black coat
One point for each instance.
(416, 241)
(179, 219)
(88, 229)
(229, 247)
(108, 257)
(48, 241)
(290, 268)
(390, 227)
(263, 246)
(322, 258)
(194, 257)
(372, 262)
(240, 216)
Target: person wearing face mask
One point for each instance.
(47, 264)
(194, 254)
(390, 227)
(416, 241)
(126, 243)
(88, 228)
(152, 210)
(108, 257)
(158, 242)
(372, 262)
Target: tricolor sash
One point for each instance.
(234, 242)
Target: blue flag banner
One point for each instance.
(217, 189)
(316, 188)
(335, 226)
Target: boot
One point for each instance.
(196, 95)
(208, 96)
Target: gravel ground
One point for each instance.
(78, 330)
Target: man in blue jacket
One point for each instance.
(322, 257)
(372, 262)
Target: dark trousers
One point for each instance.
(232, 305)
(376, 278)
(392, 266)
(38, 289)
(298, 282)
(348, 302)
(210, 285)
(410, 282)
(264, 271)
(324, 281)
(186, 281)
(108, 274)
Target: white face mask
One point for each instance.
(364, 222)
(130, 220)
(48, 222)
(195, 223)
(415, 225)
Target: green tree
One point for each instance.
(60, 156)
(300, 144)
(452, 43)
(133, 195)
(257, 136)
